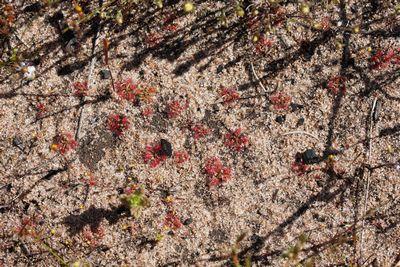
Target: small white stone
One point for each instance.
(30, 73)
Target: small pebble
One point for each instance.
(280, 119)
(296, 107)
(166, 148)
(220, 68)
(188, 221)
(30, 73)
(18, 143)
(300, 122)
(105, 74)
(309, 156)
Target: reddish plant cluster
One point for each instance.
(89, 179)
(172, 221)
(180, 157)
(6, 19)
(175, 108)
(337, 84)
(216, 172)
(228, 95)
(153, 155)
(382, 59)
(280, 101)
(169, 23)
(153, 39)
(27, 227)
(93, 235)
(263, 44)
(300, 168)
(236, 140)
(41, 110)
(147, 111)
(118, 123)
(199, 131)
(81, 88)
(127, 90)
(146, 94)
(63, 143)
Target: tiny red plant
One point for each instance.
(337, 84)
(81, 88)
(382, 59)
(280, 101)
(172, 221)
(7, 19)
(148, 111)
(153, 39)
(199, 131)
(175, 108)
(93, 235)
(229, 95)
(127, 90)
(63, 143)
(153, 155)
(180, 157)
(300, 168)
(41, 110)
(117, 124)
(263, 44)
(216, 172)
(147, 94)
(236, 140)
(89, 179)
(27, 227)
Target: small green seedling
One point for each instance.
(135, 202)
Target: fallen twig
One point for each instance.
(258, 79)
(301, 133)
(371, 121)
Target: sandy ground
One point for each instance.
(70, 202)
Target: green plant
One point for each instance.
(135, 202)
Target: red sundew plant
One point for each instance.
(263, 44)
(147, 94)
(127, 90)
(93, 235)
(153, 155)
(337, 84)
(172, 221)
(147, 112)
(382, 59)
(325, 23)
(216, 172)
(181, 157)
(300, 168)
(6, 21)
(280, 101)
(27, 227)
(81, 88)
(63, 143)
(89, 179)
(175, 108)
(117, 124)
(199, 131)
(41, 110)
(153, 39)
(236, 140)
(228, 95)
